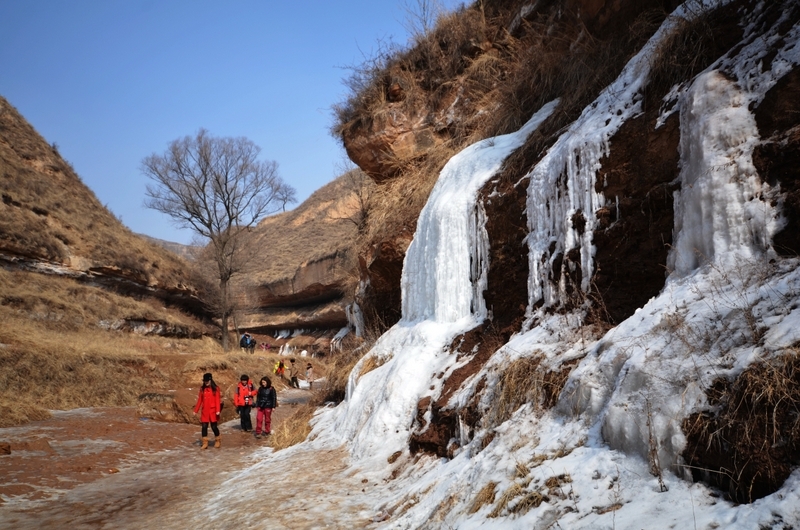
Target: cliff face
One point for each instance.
(313, 298)
(419, 119)
(621, 230)
(301, 274)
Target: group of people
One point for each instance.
(247, 396)
(264, 399)
(294, 373)
(247, 343)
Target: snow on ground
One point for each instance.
(593, 460)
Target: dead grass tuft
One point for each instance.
(517, 386)
(692, 46)
(16, 412)
(532, 499)
(484, 497)
(373, 362)
(294, 429)
(749, 444)
(514, 491)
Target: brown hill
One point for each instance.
(303, 268)
(49, 216)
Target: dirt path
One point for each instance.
(107, 468)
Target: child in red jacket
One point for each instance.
(243, 399)
(208, 401)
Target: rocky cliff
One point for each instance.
(582, 220)
(302, 271)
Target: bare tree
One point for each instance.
(218, 188)
(363, 188)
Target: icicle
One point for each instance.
(562, 184)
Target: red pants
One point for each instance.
(266, 416)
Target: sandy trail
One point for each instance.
(106, 468)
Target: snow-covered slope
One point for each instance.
(610, 454)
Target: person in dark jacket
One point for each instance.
(247, 343)
(208, 401)
(243, 399)
(266, 400)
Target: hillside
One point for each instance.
(91, 312)
(48, 216)
(596, 311)
(303, 268)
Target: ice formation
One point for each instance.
(608, 455)
(444, 275)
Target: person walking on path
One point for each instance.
(243, 399)
(294, 371)
(266, 400)
(208, 401)
(310, 376)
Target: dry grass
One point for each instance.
(484, 497)
(373, 362)
(71, 380)
(65, 304)
(691, 47)
(46, 212)
(514, 491)
(294, 429)
(343, 362)
(532, 499)
(56, 354)
(750, 444)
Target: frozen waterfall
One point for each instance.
(444, 275)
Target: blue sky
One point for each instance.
(112, 81)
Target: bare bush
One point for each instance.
(748, 444)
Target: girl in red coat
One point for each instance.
(208, 401)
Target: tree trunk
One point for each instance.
(223, 290)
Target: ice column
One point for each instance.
(723, 210)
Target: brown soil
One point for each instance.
(85, 450)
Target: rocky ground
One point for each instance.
(108, 468)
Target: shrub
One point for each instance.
(749, 443)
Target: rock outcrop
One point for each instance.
(302, 272)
